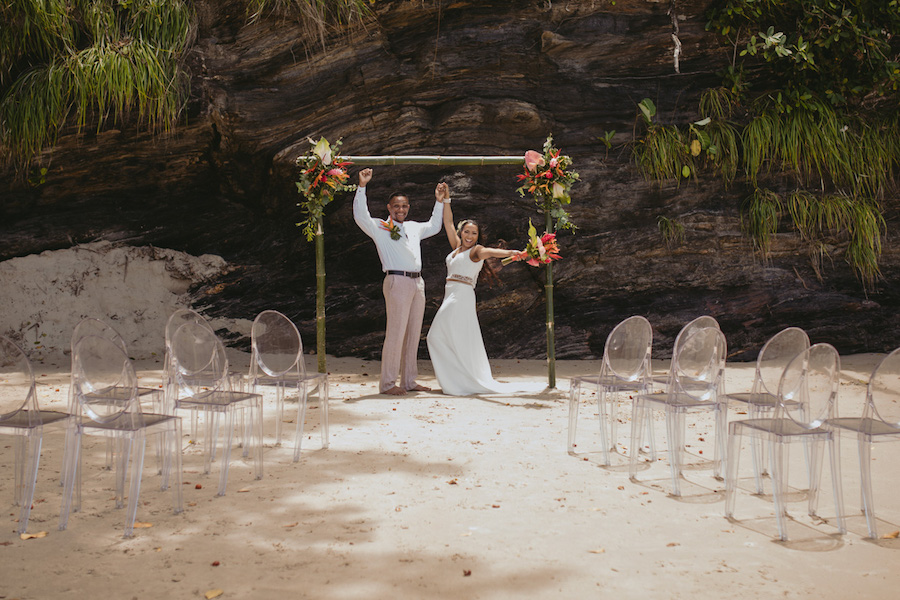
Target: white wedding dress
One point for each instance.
(454, 339)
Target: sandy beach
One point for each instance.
(430, 496)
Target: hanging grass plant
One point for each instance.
(92, 61)
(834, 216)
(672, 231)
(761, 217)
(318, 17)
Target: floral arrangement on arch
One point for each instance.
(538, 250)
(322, 174)
(548, 177)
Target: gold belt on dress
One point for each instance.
(462, 279)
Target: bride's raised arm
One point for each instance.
(443, 192)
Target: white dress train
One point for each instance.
(454, 339)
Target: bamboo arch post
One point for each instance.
(481, 161)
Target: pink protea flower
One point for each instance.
(533, 160)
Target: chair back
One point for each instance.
(699, 366)
(17, 390)
(687, 330)
(276, 343)
(774, 357)
(91, 326)
(104, 381)
(179, 318)
(883, 396)
(199, 360)
(808, 389)
(627, 351)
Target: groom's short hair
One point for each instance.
(397, 195)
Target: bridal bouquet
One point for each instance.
(538, 250)
(322, 173)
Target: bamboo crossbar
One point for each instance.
(436, 160)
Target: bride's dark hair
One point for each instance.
(490, 275)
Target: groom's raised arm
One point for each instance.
(433, 225)
(361, 205)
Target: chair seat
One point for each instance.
(779, 427)
(128, 423)
(677, 400)
(764, 399)
(214, 399)
(24, 419)
(611, 381)
(866, 426)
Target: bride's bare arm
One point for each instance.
(479, 252)
(449, 227)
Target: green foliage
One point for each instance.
(672, 231)
(93, 61)
(317, 16)
(840, 51)
(761, 217)
(818, 218)
(671, 152)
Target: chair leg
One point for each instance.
(226, 449)
(574, 397)
(637, 431)
(279, 411)
(731, 472)
(674, 435)
(611, 401)
(603, 408)
(138, 445)
(31, 456)
(173, 454)
(122, 451)
(815, 474)
(836, 482)
(259, 438)
(303, 392)
(779, 483)
(721, 440)
(71, 458)
(865, 474)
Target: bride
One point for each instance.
(454, 339)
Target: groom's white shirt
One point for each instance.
(404, 254)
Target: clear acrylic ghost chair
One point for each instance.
(21, 417)
(807, 397)
(694, 386)
(176, 320)
(278, 361)
(625, 368)
(880, 422)
(774, 356)
(106, 390)
(201, 380)
(156, 396)
(699, 323)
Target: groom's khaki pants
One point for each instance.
(404, 298)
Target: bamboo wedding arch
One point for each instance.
(434, 160)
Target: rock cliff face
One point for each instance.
(462, 77)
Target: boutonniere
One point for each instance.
(392, 228)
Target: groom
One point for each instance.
(397, 241)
